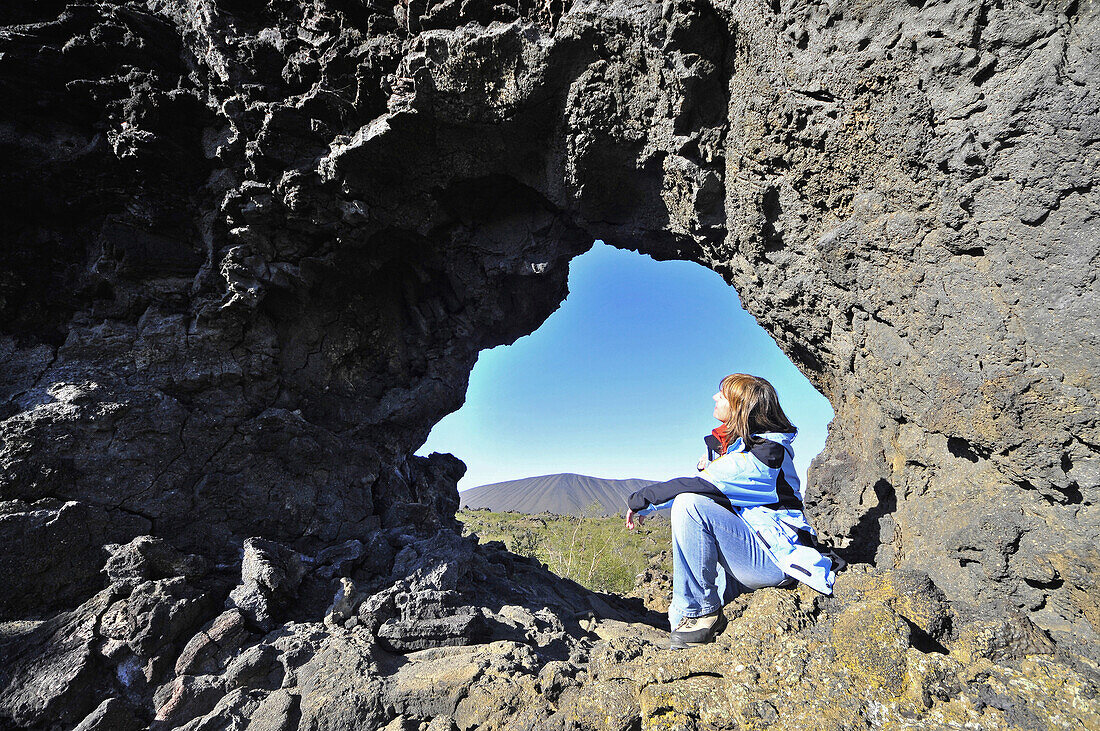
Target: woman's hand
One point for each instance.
(633, 520)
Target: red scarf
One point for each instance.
(722, 436)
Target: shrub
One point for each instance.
(598, 553)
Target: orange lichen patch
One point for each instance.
(910, 594)
(608, 704)
(870, 641)
(673, 705)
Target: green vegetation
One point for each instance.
(598, 553)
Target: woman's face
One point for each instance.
(721, 407)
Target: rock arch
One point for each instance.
(254, 250)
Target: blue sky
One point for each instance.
(617, 383)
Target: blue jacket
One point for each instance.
(761, 485)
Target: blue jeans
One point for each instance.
(715, 557)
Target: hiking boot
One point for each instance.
(694, 631)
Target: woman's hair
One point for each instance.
(754, 407)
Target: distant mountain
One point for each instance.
(566, 494)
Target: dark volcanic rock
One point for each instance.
(147, 557)
(252, 251)
(111, 715)
(270, 576)
(56, 552)
(51, 675)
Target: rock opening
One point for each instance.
(253, 249)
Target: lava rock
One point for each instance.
(56, 553)
(253, 251)
(270, 575)
(111, 715)
(148, 557)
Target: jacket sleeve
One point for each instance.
(660, 495)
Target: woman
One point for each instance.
(738, 524)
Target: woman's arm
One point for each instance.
(660, 495)
(738, 478)
(744, 479)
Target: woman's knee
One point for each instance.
(685, 511)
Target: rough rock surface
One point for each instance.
(886, 651)
(252, 251)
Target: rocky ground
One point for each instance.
(440, 633)
(251, 251)
(353, 637)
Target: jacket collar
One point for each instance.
(784, 438)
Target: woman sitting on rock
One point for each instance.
(737, 524)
